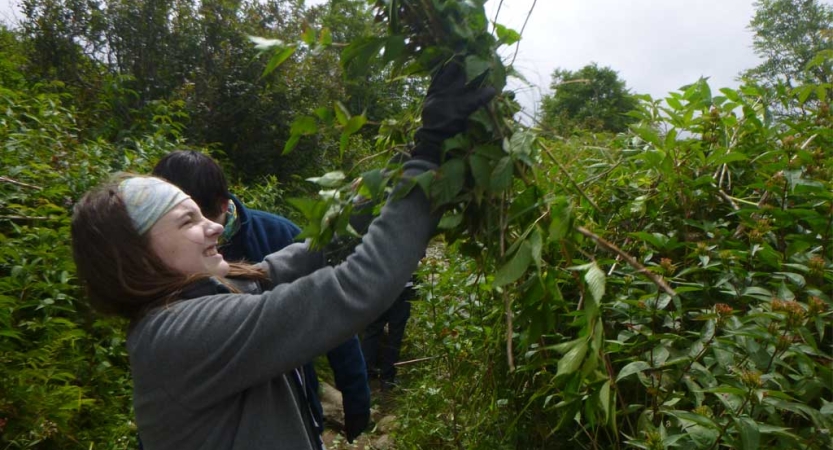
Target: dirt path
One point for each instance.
(383, 421)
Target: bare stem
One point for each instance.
(569, 177)
(23, 218)
(629, 259)
(518, 46)
(19, 183)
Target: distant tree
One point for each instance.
(123, 58)
(592, 98)
(12, 59)
(789, 34)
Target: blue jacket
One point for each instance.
(261, 234)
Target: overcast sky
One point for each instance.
(656, 46)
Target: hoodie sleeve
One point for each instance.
(208, 348)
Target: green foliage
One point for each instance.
(64, 378)
(121, 59)
(11, 60)
(725, 344)
(788, 36)
(592, 98)
(669, 287)
(793, 39)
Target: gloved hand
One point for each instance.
(355, 424)
(448, 104)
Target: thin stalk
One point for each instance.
(569, 177)
(737, 413)
(23, 218)
(19, 183)
(507, 301)
(497, 14)
(657, 279)
(518, 45)
(775, 352)
(655, 388)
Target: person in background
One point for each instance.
(251, 235)
(381, 347)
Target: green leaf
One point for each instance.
(702, 437)
(481, 170)
(342, 113)
(355, 58)
(595, 279)
(277, 59)
(329, 180)
(450, 221)
(307, 206)
(536, 245)
(308, 36)
(394, 48)
(570, 362)
(804, 92)
(797, 279)
(325, 115)
(632, 368)
(520, 143)
(343, 142)
(449, 181)
(291, 143)
(475, 66)
(604, 399)
(506, 36)
(355, 124)
(726, 158)
(750, 436)
(674, 103)
(501, 178)
(757, 292)
(326, 38)
(516, 266)
(373, 180)
(560, 219)
(701, 420)
(304, 126)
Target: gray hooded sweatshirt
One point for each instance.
(213, 372)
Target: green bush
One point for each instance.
(64, 378)
(726, 344)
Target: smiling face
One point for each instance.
(187, 242)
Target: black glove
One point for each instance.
(355, 424)
(448, 104)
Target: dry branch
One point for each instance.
(629, 259)
(19, 183)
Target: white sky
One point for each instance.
(656, 46)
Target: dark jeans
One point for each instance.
(381, 350)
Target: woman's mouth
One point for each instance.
(210, 251)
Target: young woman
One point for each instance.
(213, 368)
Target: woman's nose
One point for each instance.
(213, 228)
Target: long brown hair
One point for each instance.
(121, 273)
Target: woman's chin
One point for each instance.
(219, 268)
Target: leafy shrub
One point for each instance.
(64, 378)
(726, 344)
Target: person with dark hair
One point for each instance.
(251, 235)
(212, 367)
